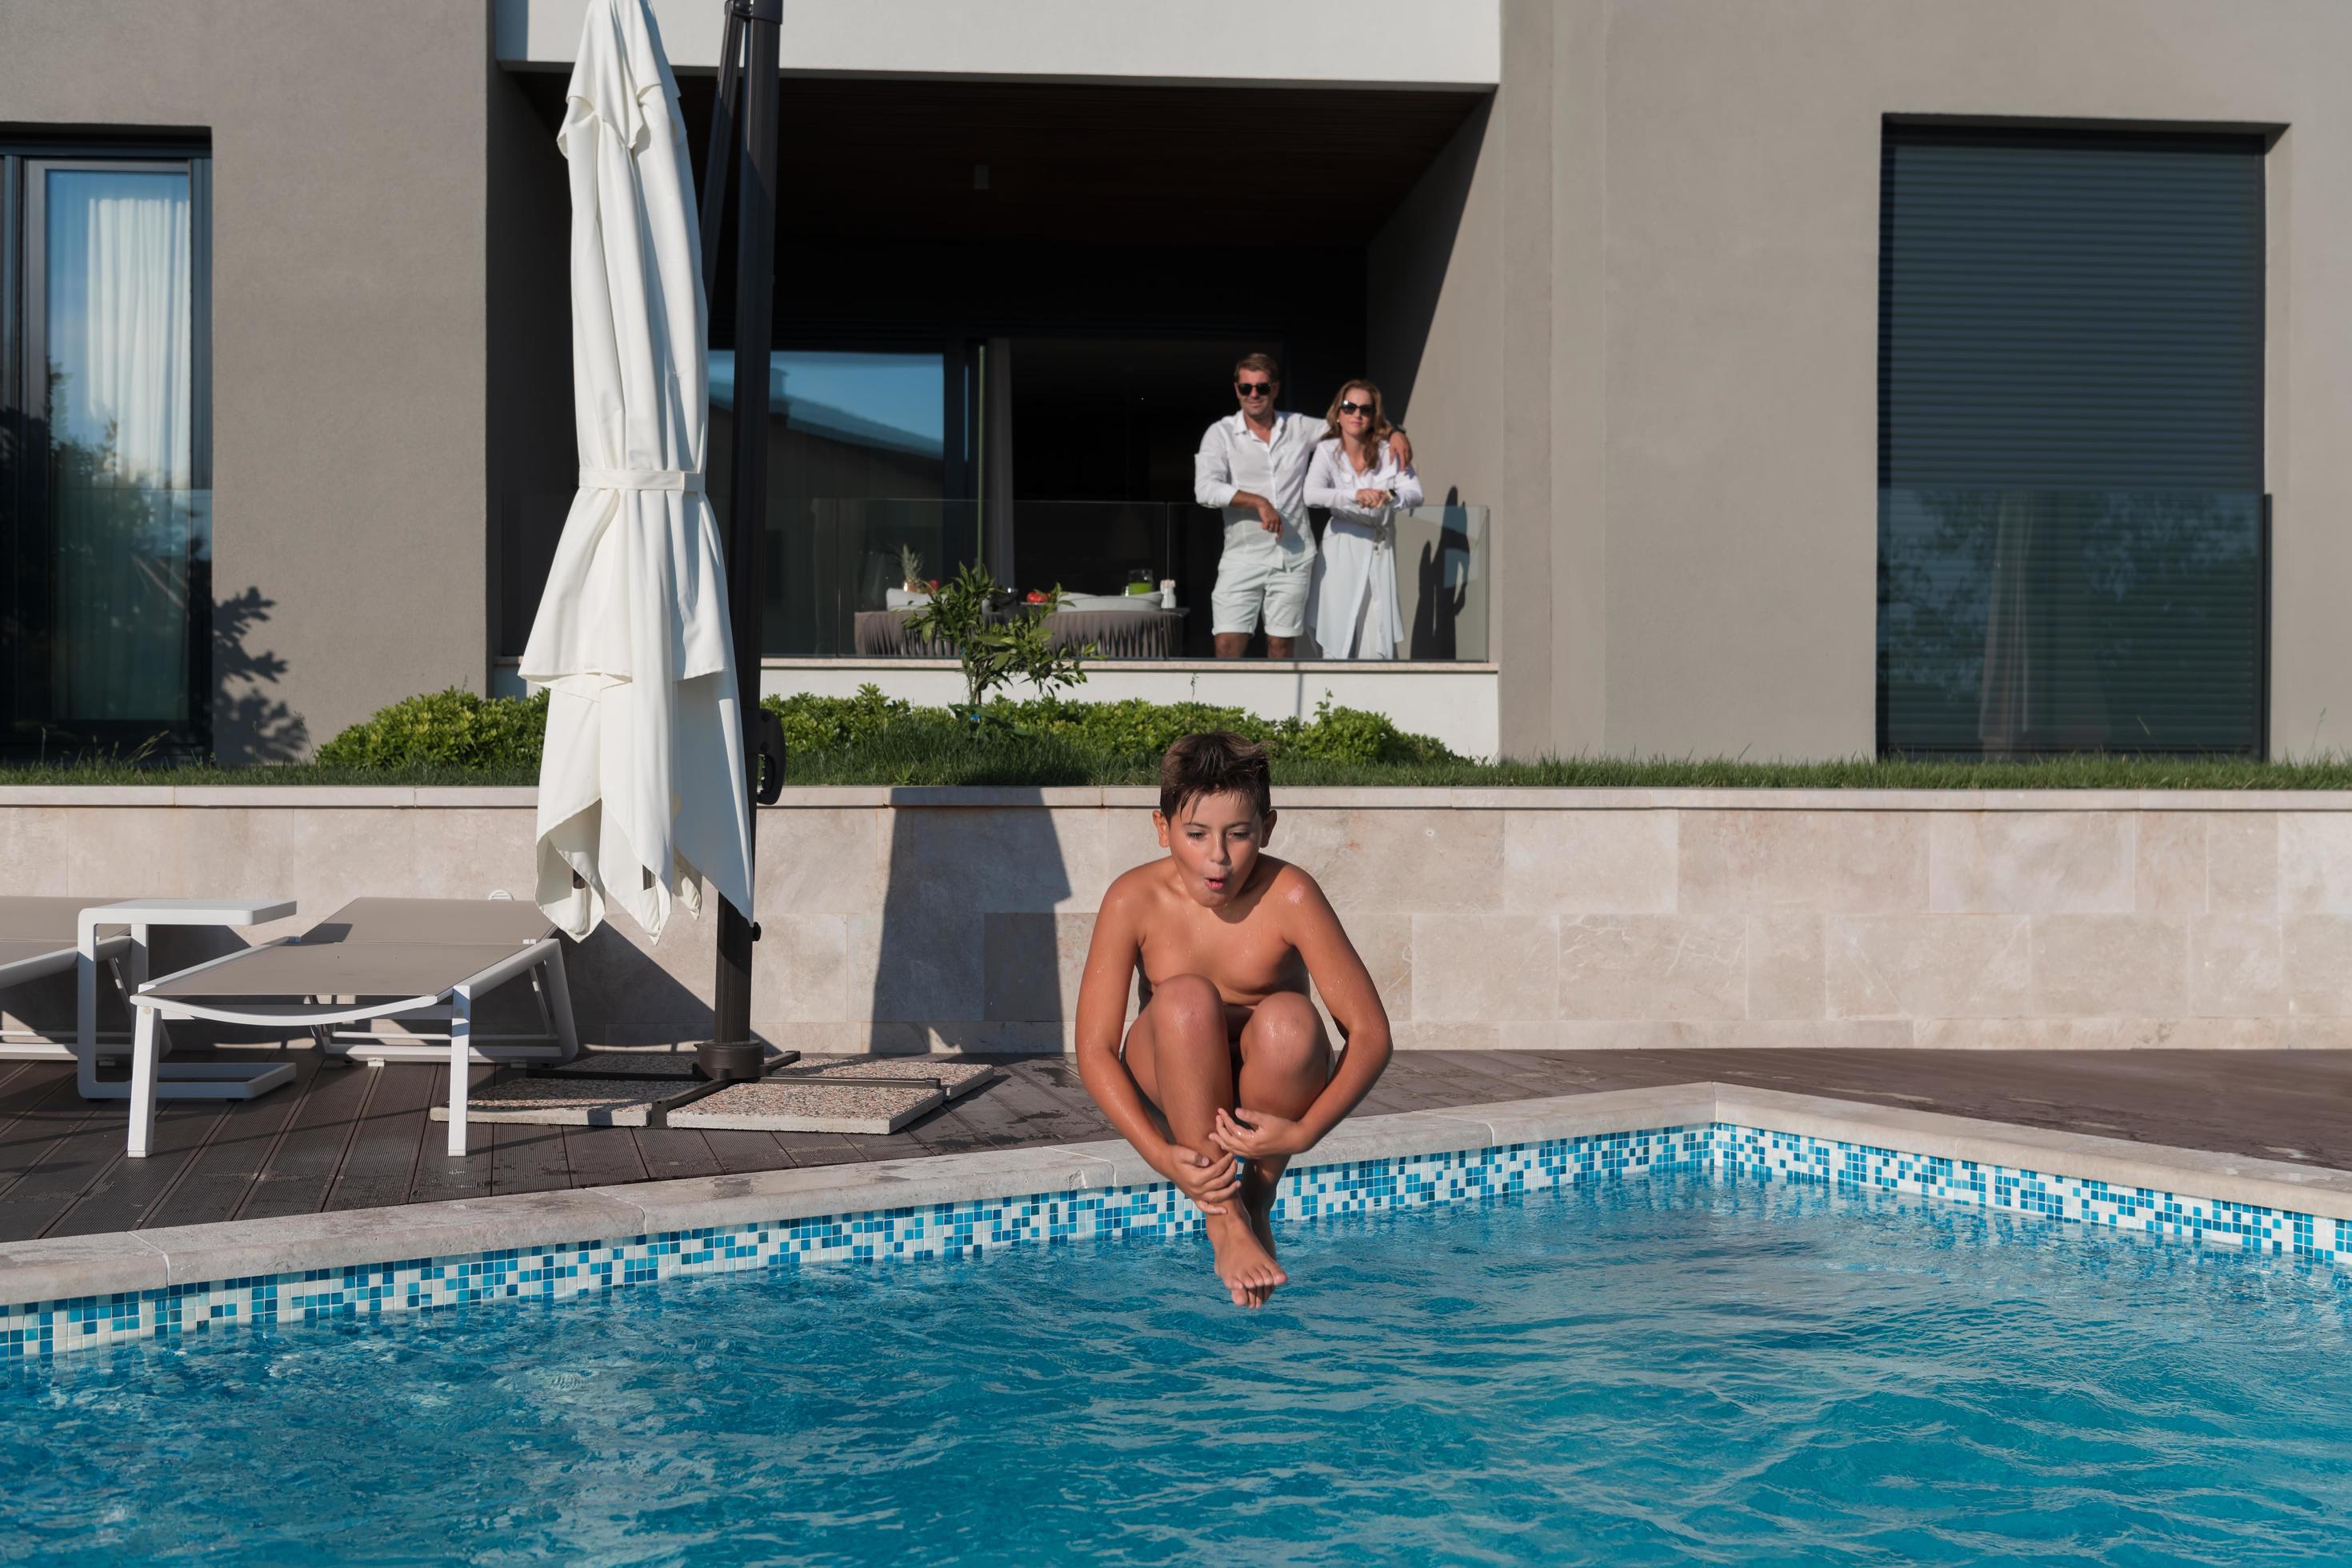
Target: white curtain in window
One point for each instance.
(118, 325)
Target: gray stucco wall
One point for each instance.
(348, 439)
(1653, 342)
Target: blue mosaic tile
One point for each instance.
(1748, 1152)
(1153, 1212)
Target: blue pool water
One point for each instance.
(1660, 1372)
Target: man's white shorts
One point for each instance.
(1255, 580)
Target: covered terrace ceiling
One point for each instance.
(941, 158)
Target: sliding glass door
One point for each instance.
(105, 483)
(864, 466)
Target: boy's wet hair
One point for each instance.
(1214, 763)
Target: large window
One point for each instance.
(859, 469)
(105, 481)
(2072, 535)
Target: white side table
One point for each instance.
(176, 1080)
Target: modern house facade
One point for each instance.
(1788, 381)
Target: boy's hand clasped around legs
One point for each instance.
(1211, 1185)
(1261, 1136)
(1226, 1072)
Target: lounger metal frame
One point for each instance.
(541, 959)
(115, 933)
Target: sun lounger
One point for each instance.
(46, 936)
(38, 938)
(375, 961)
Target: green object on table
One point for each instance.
(1134, 588)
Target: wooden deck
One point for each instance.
(345, 1136)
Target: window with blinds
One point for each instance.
(2073, 540)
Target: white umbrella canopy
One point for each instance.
(641, 791)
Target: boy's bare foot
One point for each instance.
(1245, 1262)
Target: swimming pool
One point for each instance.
(1670, 1370)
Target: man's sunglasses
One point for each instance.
(1254, 388)
(1354, 407)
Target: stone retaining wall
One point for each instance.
(900, 919)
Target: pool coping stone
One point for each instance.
(68, 1267)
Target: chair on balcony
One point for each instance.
(375, 962)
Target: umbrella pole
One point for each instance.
(734, 1052)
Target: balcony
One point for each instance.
(833, 572)
(833, 563)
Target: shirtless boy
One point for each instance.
(1226, 1072)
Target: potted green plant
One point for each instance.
(997, 642)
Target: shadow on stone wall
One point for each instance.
(969, 940)
(622, 994)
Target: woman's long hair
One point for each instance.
(1379, 430)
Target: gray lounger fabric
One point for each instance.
(40, 933)
(374, 947)
(50, 921)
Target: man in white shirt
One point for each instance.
(1252, 465)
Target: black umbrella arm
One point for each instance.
(743, 132)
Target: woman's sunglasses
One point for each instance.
(1354, 407)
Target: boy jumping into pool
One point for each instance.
(1226, 1072)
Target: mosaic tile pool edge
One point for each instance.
(1741, 1152)
(1156, 1210)
(946, 1229)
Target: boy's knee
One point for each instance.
(1190, 1003)
(1289, 1031)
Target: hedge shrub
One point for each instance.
(458, 730)
(450, 728)
(1130, 728)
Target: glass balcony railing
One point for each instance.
(835, 571)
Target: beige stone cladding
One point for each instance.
(922, 920)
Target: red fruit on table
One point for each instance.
(1037, 596)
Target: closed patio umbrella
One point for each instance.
(641, 791)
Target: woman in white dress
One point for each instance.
(1357, 476)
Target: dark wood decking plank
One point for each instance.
(1593, 1072)
(987, 1114)
(224, 1171)
(303, 1166)
(1443, 1084)
(742, 1151)
(33, 1116)
(1058, 1073)
(64, 1169)
(382, 1159)
(899, 1145)
(819, 1149)
(122, 1194)
(947, 1131)
(1033, 1114)
(1406, 1085)
(1482, 1076)
(440, 1175)
(671, 1153)
(602, 1156)
(529, 1159)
